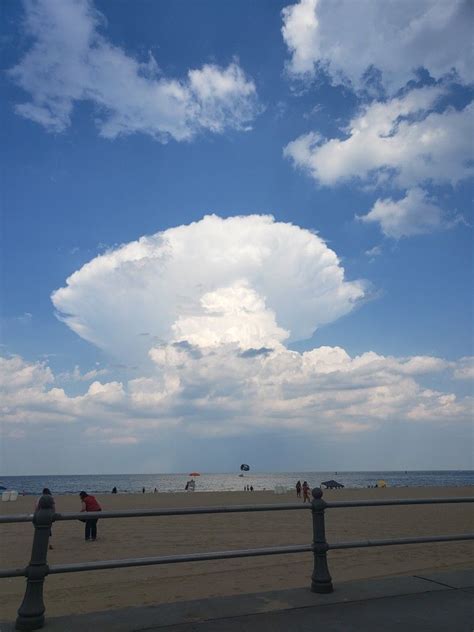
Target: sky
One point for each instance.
(236, 232)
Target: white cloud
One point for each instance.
(231, 314)
(18, 375)
(218, 299)
(402, 143)
(76, 376)
(234, 280)
(33, 384)
(70, 61)
(300, 32)
(414, 214)
(25, 319)
(376, 251)
(400, 138)
(347, 39)
(221, 391)
(464, 369)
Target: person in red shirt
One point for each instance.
(89, 503)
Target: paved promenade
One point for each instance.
(438, 602)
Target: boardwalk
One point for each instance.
(435, 602)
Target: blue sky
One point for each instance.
(120, 124)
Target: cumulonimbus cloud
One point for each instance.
(245, 280)
(349, 40)
(212, 306)
(70, 61)
(208, 309)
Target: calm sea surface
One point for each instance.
(133, 483)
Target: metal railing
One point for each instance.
(31, 612)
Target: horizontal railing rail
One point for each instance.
(339, 504)
(401, 541)
(182, 511)
(232, 554)
(180, 559)
(150, 513)
(31, 612)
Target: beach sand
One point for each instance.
(142, 537)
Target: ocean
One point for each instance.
(133, 483)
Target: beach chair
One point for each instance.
(5, 496)
(13, 495)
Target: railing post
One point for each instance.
(31, 612)
(321, 579)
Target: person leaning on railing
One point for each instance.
(89, 503)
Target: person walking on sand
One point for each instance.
(89, 503)
(306, 492)
(47, 492)
(298, 489)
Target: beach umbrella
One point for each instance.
(332, 484)
(194, 474)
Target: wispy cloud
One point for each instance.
(70, 61)
(376, 251)
(25, 318)
(77, 376)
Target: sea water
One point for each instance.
(230, 481)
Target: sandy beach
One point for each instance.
(142, 537)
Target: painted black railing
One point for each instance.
(32, 609)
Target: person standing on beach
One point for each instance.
(306, 490)
(298, 489)
(89, 503)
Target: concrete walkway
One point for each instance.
(432, 602)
